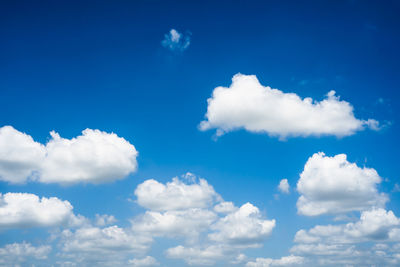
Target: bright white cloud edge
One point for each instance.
(333, 185)
(93, 157)
(248, 105)
(24, 210)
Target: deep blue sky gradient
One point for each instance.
(71, 65)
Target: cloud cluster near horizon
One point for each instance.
(333, 185)
(93, 157)
(212, 229)
(207, 228)
(248, 105)
(176, 41)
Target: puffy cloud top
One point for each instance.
(225, 207)
(244, 227)
(187, 223)
(93, 157)
(375, 224)
(334, 185)
(175, 195)
(330, 245)
(248, 105)
(20, 155)
(213, 229)
(21, 210)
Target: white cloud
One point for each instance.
(324, 249)
(185, 223)
(243, 228)
(176, 41)
(187, 210)
(239, 259)
(175, 195)
(373, 225)
(103, 240)
(22, 210)
(190, 209)
(93, 157)
(20, 155)
(330, 185)
(147, 261)
(284, 261)
(197, 256)
(17, 253)
(248, 105)
(103, 220)
(96, 246)
(284, 186)
(225, 207)
(351, 243)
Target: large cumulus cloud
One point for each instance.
(248, 105)
(332, 185)
(93, 157)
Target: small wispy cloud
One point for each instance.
(176, 41)
(283, 186)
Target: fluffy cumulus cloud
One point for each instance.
(146, 261)
(96, 239)
(23, 210)
(225, 207)
(197, 256)
(96, 246)
(176, 41)
(93, 157)
(205, 229)
(283, 186)
(330, 185)
(244, 227)
(185, 223)
(22, 253)
(346, 243)
(175, 195)
(20, 155)
(212, 229)
(248, 105)
(179, 208)
(104, 219)
(374, 225)
(284, 261)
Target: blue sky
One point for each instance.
(144, 70)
